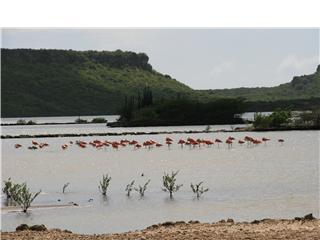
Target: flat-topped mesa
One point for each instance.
(117, 59)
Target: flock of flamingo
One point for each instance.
(98, 144)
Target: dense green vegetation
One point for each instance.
(287, 119)
(182, 111)
(66, 82)
(303, 87)
(62, 82)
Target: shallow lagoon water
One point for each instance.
(246, 183)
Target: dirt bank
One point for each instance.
(264, 229)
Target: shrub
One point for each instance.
(104, 184)
(30, 122)
(142, 189)
(99, 120)
(169, 183)
(278, 118)
(23, 197)
(80, 120)
(129, 188)
(198, 189)
(21, 122)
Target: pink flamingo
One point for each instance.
(229, 142)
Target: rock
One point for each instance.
(193, 222)
(67, 231)
(180, 222)
(255, 222)
(308, 217)
(38, 228)
(167, 224)
(230, 220)
(222, 221)
(298, 218)
(22, 227)
(153, 226)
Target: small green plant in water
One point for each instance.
(8, 184)
(169, 183)
(129, 188)
(10, 189)
(142, 189)
(198, 189)
(104, 184)
(64, 187)
(22, 196)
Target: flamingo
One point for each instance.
(281, 141)
(208, 142)
(17, 145)
(195, 143)
(158, 145)
(168, 139)
(115, 145)
(265, 140)
(241, 142)
(133, 142)
(35, 143)
(229, 142)
(256, 142)
(218, 141)
(137, 146)
(181, 142)
(64, 146)
(168, 143)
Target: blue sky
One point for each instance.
(200, 58)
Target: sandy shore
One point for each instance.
(264, 229)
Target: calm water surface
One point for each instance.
(246, 183)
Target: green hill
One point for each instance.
(67, 82)
(62, 82)
(302, 87)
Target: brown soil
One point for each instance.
(264, 229)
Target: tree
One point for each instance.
(169, 183)
(23, 197)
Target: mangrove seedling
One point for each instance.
(104, 184)
(169, 183)
(64, 187)
(10, 188)
(129, 188)
(23, 197)
(198, 189)
(142, 189)
(7, 188)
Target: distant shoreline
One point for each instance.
(48, 123)
(158, 132)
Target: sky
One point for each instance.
(200, 58)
